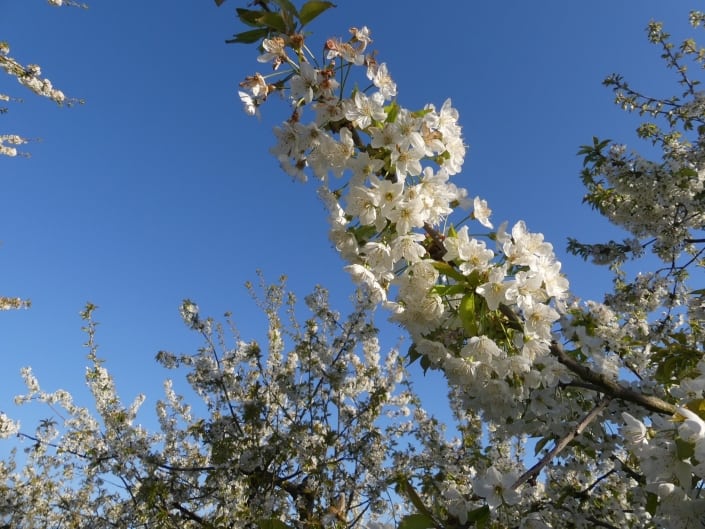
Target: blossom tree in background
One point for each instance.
(611, 394)
(308, 433)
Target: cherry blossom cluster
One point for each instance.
(481, 308)
(30, 76)
(385, 176)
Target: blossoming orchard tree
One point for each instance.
(569, 413)
(612, 392)
(308, 437)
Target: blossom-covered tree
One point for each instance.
(568, 413)
(310, 432)
(610, 393)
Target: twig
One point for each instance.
(562, 443)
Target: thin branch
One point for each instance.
(535, 470)
(595, 483)
(188, 514)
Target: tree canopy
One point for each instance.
(567, 413)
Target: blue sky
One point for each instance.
(160, 188)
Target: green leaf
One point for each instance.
(413, 354)
(697, 406)
(421, 113)
(448, 270)
(312, 9)
(470, 310)
(539, 446)
(416, 521)
(363, 233)
(274, 21)
(287, 8)
(219, 2)
(272, 523)
(248, 37)
(449, 290)
(425, 364)
(480, 516)
(392, 111)
(250, 17)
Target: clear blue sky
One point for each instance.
(161, 188)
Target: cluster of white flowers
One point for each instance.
(672, 458)
(385, 176)
(30, 76)
(7, 303)
(8, 427)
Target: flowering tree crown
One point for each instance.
(492, 310)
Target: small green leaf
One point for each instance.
(697, 406)
(425, 364)
(467, 311)
(248, 37)
(413, 354)
(416, 521)
(363, 233)
(287, 7)
(421, 113)
(449, 290)
(219, 2)
(480, 516)
(448, 270)
(392, 111)
(539, 446)
(274, 21)
(250, 17)
(312, 9)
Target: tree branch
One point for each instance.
(609, 386)
(534, 471)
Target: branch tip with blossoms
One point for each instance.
(30, 76)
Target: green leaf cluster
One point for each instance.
(276, 17)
